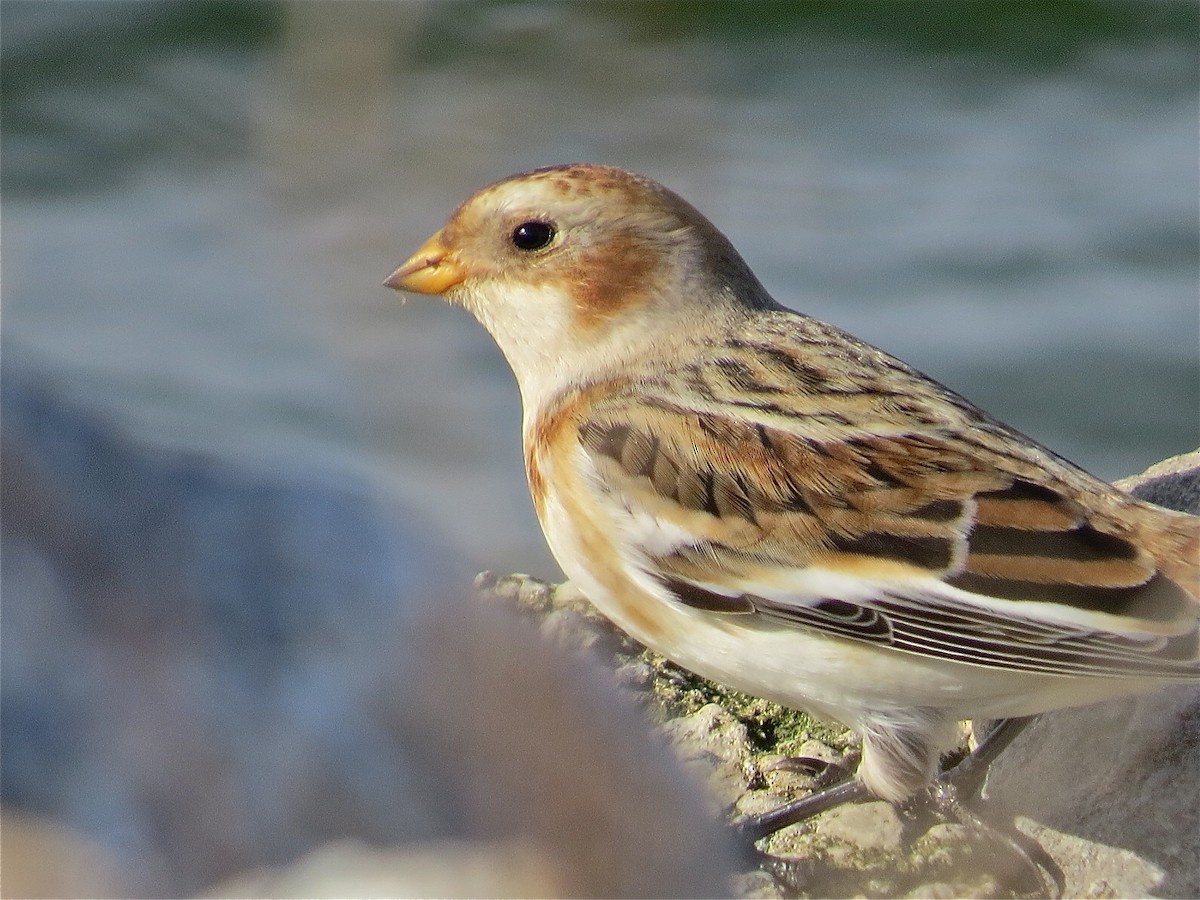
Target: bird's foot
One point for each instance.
(954, 797)
(823, 772)
(754, 828)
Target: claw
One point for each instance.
(955, 797)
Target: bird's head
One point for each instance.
(580, 268)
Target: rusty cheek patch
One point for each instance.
(616, 274)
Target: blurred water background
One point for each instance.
(201, 199)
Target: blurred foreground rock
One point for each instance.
(1111, 792)
(258, 680)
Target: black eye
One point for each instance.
(533, 235)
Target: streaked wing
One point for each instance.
(756, 465)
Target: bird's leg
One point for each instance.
(964, 780)
(946, 798)
(1040, 873)
(956, 796)
(755, 828)
(824, 772)
(969, 775)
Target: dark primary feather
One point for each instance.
(967, 633)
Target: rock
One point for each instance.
(936, 890)
(42, 858)
(713, 743)
(445, 869)
(870, 826)
(522, 742)
(1111, 792)
(1173, 483)
(757, 884)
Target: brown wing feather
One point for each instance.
(791, 457)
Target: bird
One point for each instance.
(776, 505)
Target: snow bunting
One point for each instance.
(779, 506)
